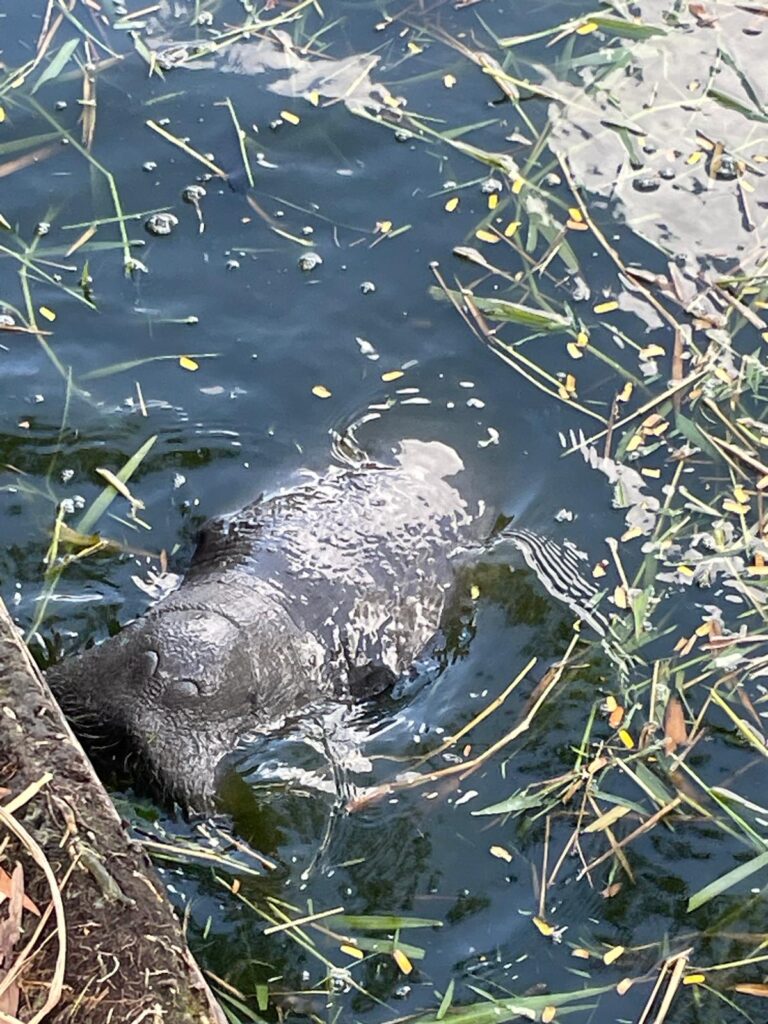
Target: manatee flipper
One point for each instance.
(217, 541)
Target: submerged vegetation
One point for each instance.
(620, 269)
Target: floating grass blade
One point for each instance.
(57, 64)
(513, 312)
(727, 881)
(96, 510)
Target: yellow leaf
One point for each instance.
(764, 336)
(586, 28)
(512, 227)
(658, 429)
(402, 961)
(582, 954)
(47, 314)
(613, 955)
(652, 350)
(740, 494)
(187, 363)
(620, 598)
(599, 570)
(606, 307)
(290, 117)
(449, 81)
(652, 421)
(695, 157)
(383, 226)
(626, 739)
(611, 703)
(570, 384)
(626, 392)
(415, 48)
(694, 979)
(734, 506)
(634, 442)
(501, 853)
(486, 236)
(392, 375)
(616, 717)
(582, 339)
(452, 203)
(2, 113)
(651, 472)
(320, 391)
(474, 591)
(543, 926)
(575, 213)
(631, 533)
(685, 570)
(573, 350)
(493, 200)
(624, 986)
(548, 1014)
(314, 97)
(517, 186)
(358, 954)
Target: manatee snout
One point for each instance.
(164, 684)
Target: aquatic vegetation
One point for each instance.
(604, 217)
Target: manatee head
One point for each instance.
(177, 686)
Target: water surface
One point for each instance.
(218, 343)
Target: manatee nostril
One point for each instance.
(179, 690)
(151, 661)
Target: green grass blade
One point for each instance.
(57, 64)
(626, 29)
(382, 922)
(446, 1001)
(727, 881)
(97, 509)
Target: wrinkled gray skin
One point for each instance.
(329, 589)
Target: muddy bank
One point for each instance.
(86, 933)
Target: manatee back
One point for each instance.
(360, 559)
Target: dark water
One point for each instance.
(266, 333)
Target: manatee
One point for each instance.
(330, 589)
